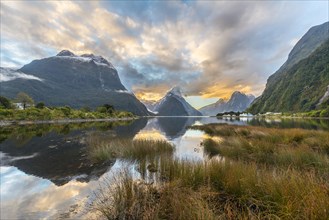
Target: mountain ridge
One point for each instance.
(301, 81)
(77, 81)
(237, 102)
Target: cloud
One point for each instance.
(10, 74)
(209, 48)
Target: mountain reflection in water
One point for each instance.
(45, 169)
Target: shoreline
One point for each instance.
(275, 117)
(64, 121)
(60, 121)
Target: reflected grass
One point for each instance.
(21, 134)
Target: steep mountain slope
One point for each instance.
(77, 81)
(302, 81)
(237, 103)
(214, 108)
(173, 104)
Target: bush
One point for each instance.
(66, 110)
(40, 105)
(325, 112)
(5, 103)
(101, 109)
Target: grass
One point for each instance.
(265, 173)
(105, 148)
(297, 148)
(218, 190)
(56, 113)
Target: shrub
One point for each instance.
(40, 105)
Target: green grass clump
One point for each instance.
(104, 148)
(298, 148)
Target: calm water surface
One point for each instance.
(46, 172)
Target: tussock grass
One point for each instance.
(302, 149)
(264, 173)
(105, 148)
(218, 190)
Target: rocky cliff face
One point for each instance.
(77, 81)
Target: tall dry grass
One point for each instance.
(219, 190)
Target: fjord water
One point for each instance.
(46, 171)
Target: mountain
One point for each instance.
(68, 79)
(301, 82)
(149, 104)
(173, 104)
(237, 103)
(214, 108)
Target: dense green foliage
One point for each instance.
(40, 105)
(5, 103)
(299, 88)
(58, 113)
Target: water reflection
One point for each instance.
(46, 170)
(174, 127)
(48, 152)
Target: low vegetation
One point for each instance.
(216, 190)
(56, 113)
(102, 148)
(23, 108)
(252, 173)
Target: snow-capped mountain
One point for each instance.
(69, 79)
(238, 102)
(173, 104)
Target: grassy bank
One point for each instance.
(262, 173)
(217, 190)
(57, 113)
(297, 148)
(101, 148)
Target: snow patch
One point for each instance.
(98, 60)
(122, 91)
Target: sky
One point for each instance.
(208, 48)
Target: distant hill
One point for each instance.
(68, 79)
(173, 104)
(238, 102)
(301, 84)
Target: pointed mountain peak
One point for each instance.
(219, 101)
(175, 91)
(65, 53)
(237, 93)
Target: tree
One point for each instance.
(40, 105)
(25, 99)
(109, 108)
(4, 102)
